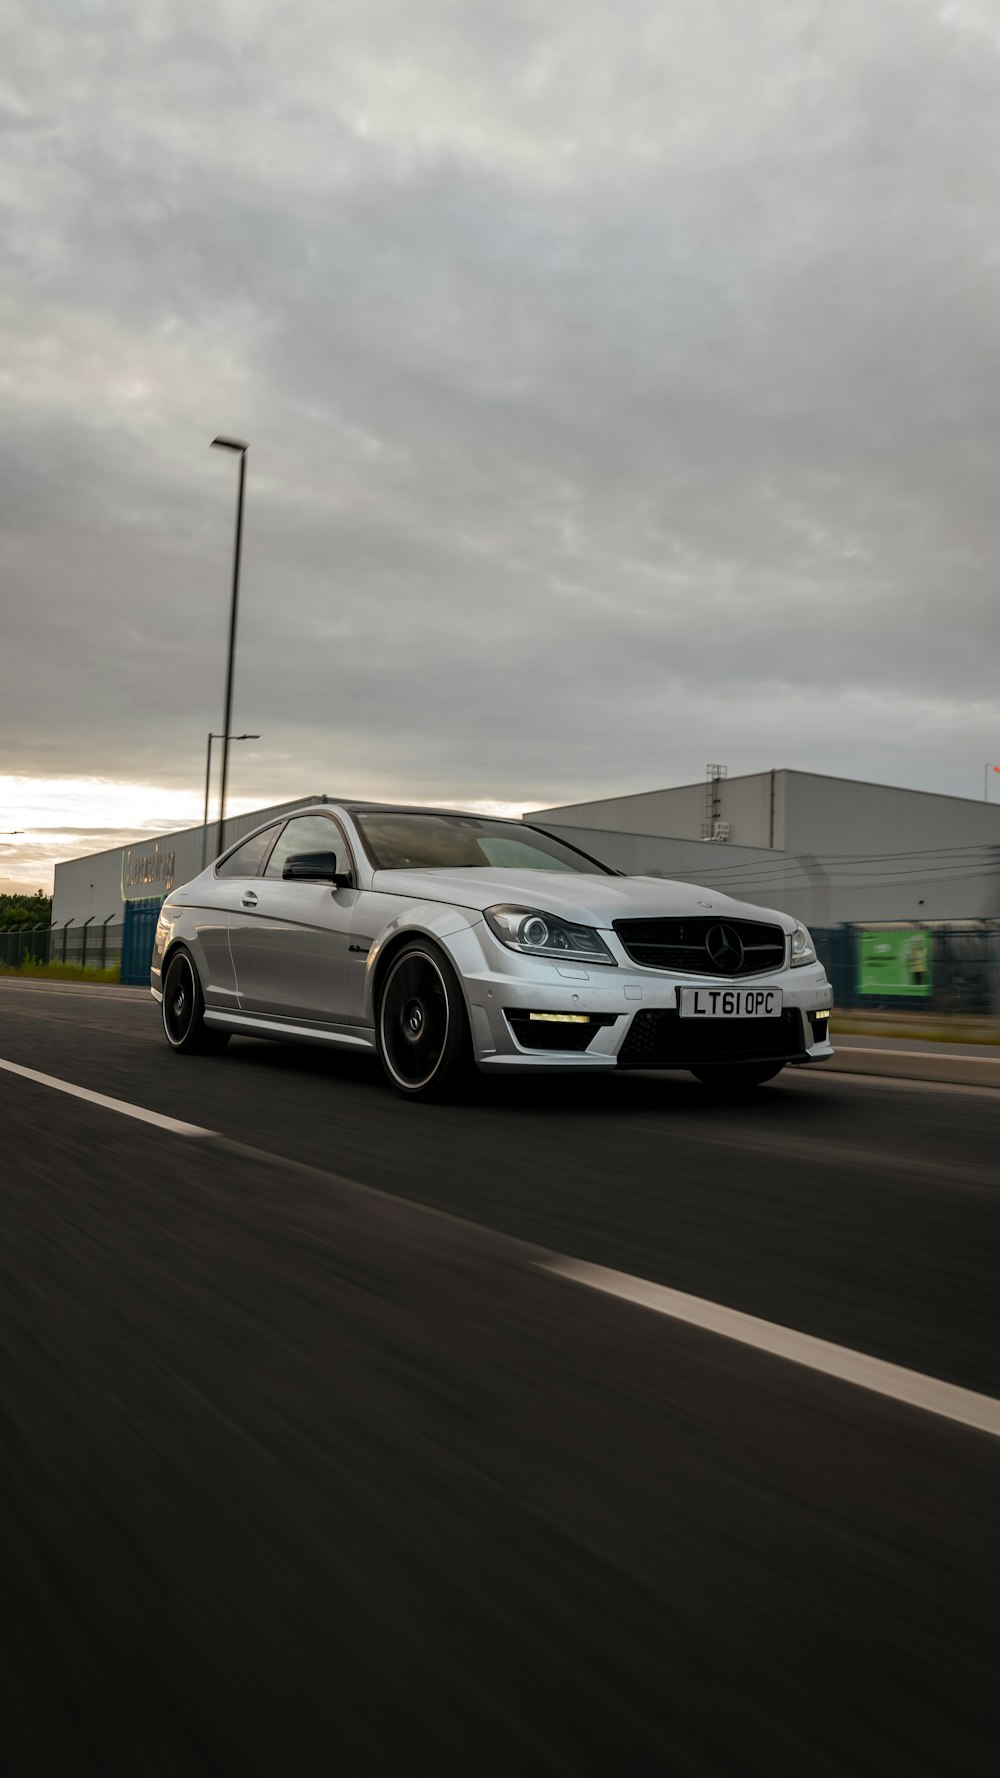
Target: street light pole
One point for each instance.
(208, 780)
(231, 444)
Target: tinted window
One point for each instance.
(308, 833)
(461, 842)
(246, 860)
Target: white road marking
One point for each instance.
(929, 1394)
(139, 1112)
(911, 1387)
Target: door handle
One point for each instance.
(249, 900)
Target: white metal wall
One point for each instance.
(821, 889)
(852, 850)
(752, 804)
(849, 816)
(800, 812)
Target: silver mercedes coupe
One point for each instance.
(448, 942)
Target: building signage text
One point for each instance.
(146, 872)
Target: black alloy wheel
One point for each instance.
(184, 1010)
(422, 1026)
(736, 1077)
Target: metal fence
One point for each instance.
(942, 968)
(939, 967)
(87, 945)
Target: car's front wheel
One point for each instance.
(736, 1077)
(183, 1009)
(422, 1026)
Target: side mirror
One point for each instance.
(315, 867)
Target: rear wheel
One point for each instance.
(183, 1010)
(422, 1026)
(736, 1077)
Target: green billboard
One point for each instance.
(895, 963)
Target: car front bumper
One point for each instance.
(633, 1014)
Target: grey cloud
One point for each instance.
(621, 383)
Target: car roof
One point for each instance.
(366, 808)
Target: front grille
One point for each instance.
(682, 945)
(665, 1040)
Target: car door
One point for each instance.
(289, 939)
(211, 908)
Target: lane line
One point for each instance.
(912, 1388)
(122, 1106)
(947, 1400)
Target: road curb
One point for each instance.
(968, 1071)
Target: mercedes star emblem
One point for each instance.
(725, 947)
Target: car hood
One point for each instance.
(592, 900)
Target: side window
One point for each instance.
(308, 833)
(246, 860)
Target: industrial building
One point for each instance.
(901, 887)
(828, 850)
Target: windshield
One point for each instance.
(464, 842)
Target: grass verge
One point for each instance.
(61, 972)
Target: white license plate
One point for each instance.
(730, 1003)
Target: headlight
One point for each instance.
(535, 934)
(803, 949)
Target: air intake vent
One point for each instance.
(665, 1040)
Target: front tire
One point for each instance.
(183, 1010)
(736, 1077)
(422, 1028)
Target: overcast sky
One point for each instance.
(622, 384)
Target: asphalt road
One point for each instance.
(308, 1464)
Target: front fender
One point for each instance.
(445, 925)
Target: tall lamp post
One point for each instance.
(231, 444)
(208, 780)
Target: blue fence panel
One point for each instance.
(137, 941)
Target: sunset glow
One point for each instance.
(62, 818)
